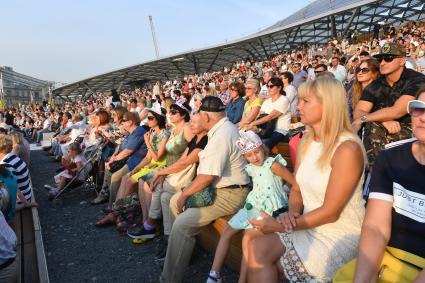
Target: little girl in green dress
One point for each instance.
(268, 176)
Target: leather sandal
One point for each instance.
(108, 220)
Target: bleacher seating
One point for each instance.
(30, 251)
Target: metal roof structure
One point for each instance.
(314, 24)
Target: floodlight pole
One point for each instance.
(1, 86)
(155, 43)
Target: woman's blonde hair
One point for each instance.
(6, 144)
(335, 120)
(210, 91)
(17, 137)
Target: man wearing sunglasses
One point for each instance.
(382, 107)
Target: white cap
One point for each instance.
(248, 141)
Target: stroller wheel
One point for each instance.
(57, 202)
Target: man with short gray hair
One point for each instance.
(264, 91)
(224, 93)
(221, 167)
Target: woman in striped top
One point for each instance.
(20, 169)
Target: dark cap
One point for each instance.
(212, 104)
(392, 49)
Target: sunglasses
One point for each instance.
(234, 89)
(387, 59)
(150, 118)
(318, 72)
(271, 86)
(173, 111)
(362, 70)
(416, 108)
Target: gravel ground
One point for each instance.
(77, 251)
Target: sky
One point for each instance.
(69, 40)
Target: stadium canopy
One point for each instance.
(314, 24)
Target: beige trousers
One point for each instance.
(187, 225)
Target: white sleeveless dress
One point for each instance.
(324, 249)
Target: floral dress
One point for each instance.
(267, 193)
(175, 146)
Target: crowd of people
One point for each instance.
(180, 154)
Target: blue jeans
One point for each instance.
(275, 139)
(40, 134)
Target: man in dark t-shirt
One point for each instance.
(382, 106)
(397, 178)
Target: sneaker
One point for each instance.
(214, 280)
(52, 193)
(140, 241)
(141, 233)
(48, 187)
(162, 251)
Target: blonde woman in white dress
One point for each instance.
(320, 232)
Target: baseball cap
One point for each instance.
(393, 49)
(212, 104)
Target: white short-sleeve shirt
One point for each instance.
(221, 157)
(282, 105)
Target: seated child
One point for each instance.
(73, 164)
(268, 174)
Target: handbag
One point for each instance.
(202, 198)
(266, 130)
(397, 266)
(117, 165)
(181, 179)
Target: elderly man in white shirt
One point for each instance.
(221, 166)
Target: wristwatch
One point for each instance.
(364, 119)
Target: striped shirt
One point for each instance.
(20, 169)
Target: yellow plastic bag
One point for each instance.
(153, 166)
(397, 266)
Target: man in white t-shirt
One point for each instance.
(264, 92)
(47, 124)
(338, 70)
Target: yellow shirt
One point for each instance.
(251, 105)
